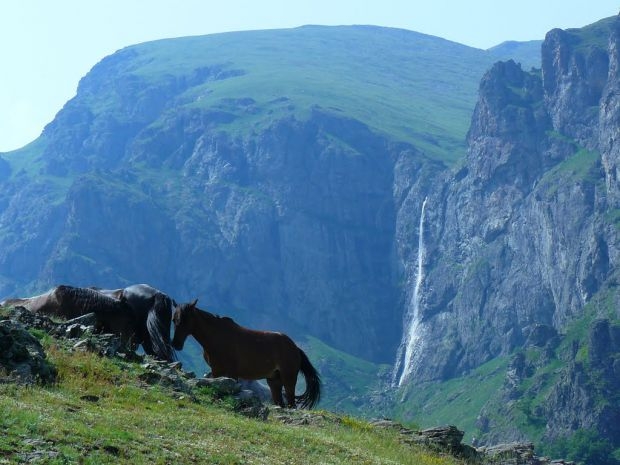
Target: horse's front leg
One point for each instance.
(207, 358)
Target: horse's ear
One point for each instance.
(193, 304)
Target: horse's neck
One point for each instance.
(39, 302)
(205, 327)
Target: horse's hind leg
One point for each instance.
(275, 385)
(289, 389)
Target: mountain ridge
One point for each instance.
(166, 135)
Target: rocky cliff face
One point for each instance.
(524, 234)
(291, 228)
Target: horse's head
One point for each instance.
(182, 323)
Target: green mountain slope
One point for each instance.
(525, 53)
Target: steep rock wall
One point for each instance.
(524, 232)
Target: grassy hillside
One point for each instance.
(458, 400)
(414, 87)
(102, 411)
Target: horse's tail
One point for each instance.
(312, 395)
(158, 326)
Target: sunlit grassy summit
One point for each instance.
(409, 86)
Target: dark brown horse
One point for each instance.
(112, 315)
(152, 310)
(237, 352)
(139, 313)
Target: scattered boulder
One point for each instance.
(22, 358)
(447, 439)
(516, 453)
(443, 439)
(37, 451)
(511, 454)
(221, 386)
(33, 320)
(257, 388)
(167, 374)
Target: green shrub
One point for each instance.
(584, 447)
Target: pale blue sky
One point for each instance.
(46, 46)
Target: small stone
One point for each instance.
(222, 386)
(175, 365)
(81, 345)
(74, 331)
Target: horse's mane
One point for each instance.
(90, 298)
(228, 321)
(223, 319)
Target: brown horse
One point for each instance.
(237, 352)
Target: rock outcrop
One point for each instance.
(448, 439)
(22, 358)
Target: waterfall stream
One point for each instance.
(411, 334)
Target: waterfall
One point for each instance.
(411, 334)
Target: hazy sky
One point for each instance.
(48, 45)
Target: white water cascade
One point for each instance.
(411, 334)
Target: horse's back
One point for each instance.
(266, 351)
(113, 293)
(52, 302)
(144, 297)
(82, 300)
(144, 291)
(154, 309)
